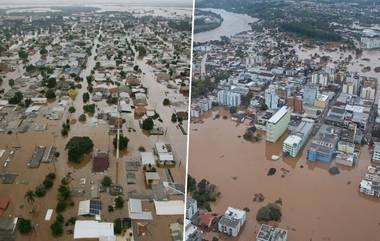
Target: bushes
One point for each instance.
(24, 226)
(50, 94)
(166, 102)
(61, 206)
(57, 227)
(86, 97)
(16, 99)
(40, 190)
(72, 109)
(78, 146)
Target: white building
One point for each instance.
(191, 208)
(320, 79)
(229, 98)
(271, 98)
(376, 152)
(231, 222)
(278, 124)
(294, 142)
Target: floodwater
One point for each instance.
(97, 130)
(316, 205)
(232, 24)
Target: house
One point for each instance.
(206, 219)
(136, 212)
(191, 232)
(147, 158)
(93, 230)
(89, 207)
(152, 178)
(100, 162)
(231, 222)
(8, 228)
(269, 233)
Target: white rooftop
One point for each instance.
(147, 158)
(278, 115)
(293, 140)
(92, 229)
(173, 207)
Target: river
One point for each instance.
(232, 24)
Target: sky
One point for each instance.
(174, 3)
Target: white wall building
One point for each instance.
(228, 98)
(231, 222)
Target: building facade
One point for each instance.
(278, 124)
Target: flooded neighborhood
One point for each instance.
(93, 122)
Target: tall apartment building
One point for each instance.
(228, 98)
(296, 103)
(310, 93)
(271, 98)
(278, 124)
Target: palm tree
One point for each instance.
(29, 196)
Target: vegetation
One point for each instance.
(24, 226)
(40, 190)
(174, 118)
(82, 118)
(270, 212)
(166, 102)
(90, 108)
(119, 202)
(86, 97)
(204, 192)
(77, 147)
(50, 94)
(123, 142)
(106, 181)
(72, 109)
(57, 227)
(16, 99)
(148, 124)
(29, 196)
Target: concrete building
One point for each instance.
(191, 208)
(351, 85)
(231, 222)
(310, 93)
(368, 89)
(321, 101)
(277, 124)
(271, 98)
(296, 103)
(294, 142)
(191, 232)
(269, 233)
(320, 78)
(229, 98)
(323, 146)
(370, 39)
(376, 152)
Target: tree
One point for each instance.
(119, 202)
(148, 124)
(56, 228)
(29, 196)
(16, 99)
(90, 108)
(77, 146)
(43, 51)
(270, 212)
(61, 206)
(24, 226)
(82, 118)
(50, 94)
(40, 190)
(11, 82)
(106, 181)
(117, 226)
(72, 109)
(22, 54)
(123, 142)
(174, 118)
(51, 83)
(166, 102)
(141, 50)
(64, 192)
(86, 97)
(191, 184)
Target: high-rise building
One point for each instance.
(278, 124)
(296, 103)
(295, 141)
(310, 93)
(228, 98)
(271, 98)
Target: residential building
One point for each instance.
(231, 222)
(320, 78)
(269, 233)
(191, 232)
(351, 85)
(271, 98)
(310, 93)
(376, 152)
(191, 208)
(229, 98)
(368, 89)
(277, 124)
(294, 142)
(296, 103)
(321, 101)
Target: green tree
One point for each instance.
(90, 108)
(11, 82)
(72, 109)
(106, 181)
(16, 99)
(123, 142)
(43, 51)
(56, 228)
(82, 118)
(22, 54)
(166, 102)
(24, 226)
(191, 184)
(174, 118)
(270, 212)
(148, 124)
(29, 196)
(78, 146)
(119, 202)
(50, 94)
(64, 192)
(86, 97)
(40, 190)
(51, 83)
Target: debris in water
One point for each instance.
(301, 166)
(334, 171)
(234, 178)
(271, 171)
(258, 197)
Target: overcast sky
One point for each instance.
(173, 3)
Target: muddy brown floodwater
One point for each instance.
(316, 205)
